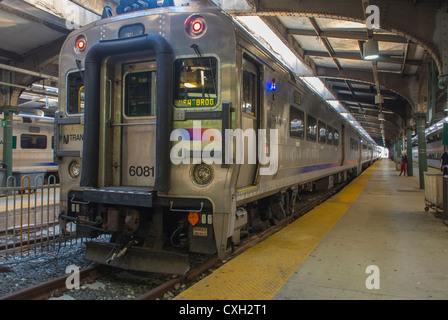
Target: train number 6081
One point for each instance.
(141, 171)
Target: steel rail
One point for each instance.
(195, 273)
(44, 290)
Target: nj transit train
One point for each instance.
(141, 91)
(434, 147)
(32, 145)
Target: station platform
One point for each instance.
(372, 240)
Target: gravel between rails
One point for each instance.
(23, 272)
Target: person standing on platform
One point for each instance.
(444, 163)
(404, 163)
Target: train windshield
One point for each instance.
(139, 92)
(196, 82)
(75, 93)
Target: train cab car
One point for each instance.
(178, 133)
(32, 148)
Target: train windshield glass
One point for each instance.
(196, 82)
(75, 93)
(139, 91)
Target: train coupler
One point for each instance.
(137, 258)
(118, 252)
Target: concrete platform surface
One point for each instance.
(386, 227)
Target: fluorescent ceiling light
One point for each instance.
(272, 42)
(318, 86)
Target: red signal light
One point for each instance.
(195, 26)
(80, 44)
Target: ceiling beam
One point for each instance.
(408, 88)
(418, 21)
(279, 29)
(96, 6)
(351, 35)
(356, 56)
(325, 42)
(24, 15)
(28, 72)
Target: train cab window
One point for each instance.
(249, 93)
(196, 82)
(311, 132)
(75, 93)
(322, 132)
(33, 141)
(336, 138)
(330, 132)
(138, 95)
(297, 123)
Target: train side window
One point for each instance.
(336, 138)
(311, 132)
(138, 94)
(354, 145)
(249, 93)
(33, 141)
(196, 82)
(75, 93)
(297, 123)
(250, 88)
(330, 132)
(322, 132)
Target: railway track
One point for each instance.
(194, 274)
(45, 290)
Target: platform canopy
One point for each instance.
(32, 33)
(330, 38)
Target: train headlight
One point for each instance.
(195, 26)
(74, 170)
(201, 174)
(81, 44)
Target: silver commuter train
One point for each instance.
(32, 146)
(434, 148)
(128, 82)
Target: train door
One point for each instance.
(134, 154)
(250, 107)
(138, 145)
(343, 145)
(359, 147)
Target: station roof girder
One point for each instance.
(419, 21)
(328, 37)
(32, 33)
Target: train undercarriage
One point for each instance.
(161, 238)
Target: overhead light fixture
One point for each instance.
(370, 50)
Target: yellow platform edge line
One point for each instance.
(261, 271)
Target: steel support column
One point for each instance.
(422, 157)
(5, 107)
(7, 140)
(410, 168)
